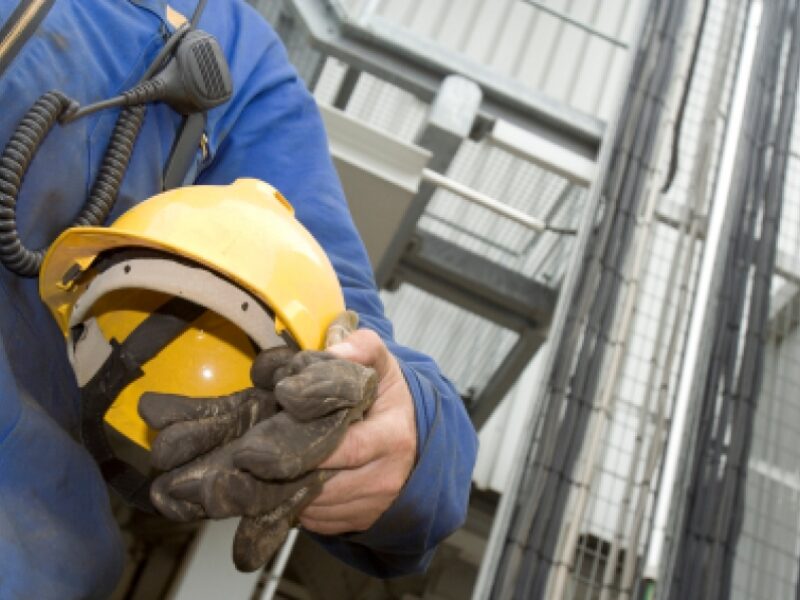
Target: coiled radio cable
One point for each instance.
(192, 77)
(17, 156)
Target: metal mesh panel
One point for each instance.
(597, 550)
(769, 547)
(623, 480)
(767, 554)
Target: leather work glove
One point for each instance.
(253, 453)
(190, 427)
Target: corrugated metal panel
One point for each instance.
(467, 347)
(499, 437)
(529, 44)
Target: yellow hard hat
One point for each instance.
(179, 294)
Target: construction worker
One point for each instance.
(403, 473)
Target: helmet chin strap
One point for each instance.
(122, 367)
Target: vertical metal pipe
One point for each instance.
(702, 305)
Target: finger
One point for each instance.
(299, 362)
(185, 489)
(283, 448)
(237, 493)
(258, 538)
(361, 444)
(325, 387)
(170, 507)
(267, 363)
(359, 516)
(342, 326)
(362, 511)
(161, 410)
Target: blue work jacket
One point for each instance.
(57, 535)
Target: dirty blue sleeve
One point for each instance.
(58, 538)
(272, 131)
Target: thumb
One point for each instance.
(358, 447)
(366, 348)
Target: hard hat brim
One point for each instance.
(245, 232)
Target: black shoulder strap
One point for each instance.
(184, 149)
(19, 27)
(189, 136)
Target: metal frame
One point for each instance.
(440, 267)
(452, 114)
(419, 66)
(485, 288)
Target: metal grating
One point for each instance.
(516, 182)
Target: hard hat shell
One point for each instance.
(244, 233)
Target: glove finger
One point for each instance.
(283, 448)
(259, 497)
(267, 363)
(173, 508)
(257, 540)
(181, 442)
(176, 492)
(342, 326)
(220, 493)
(325, 387)
(161, 410)
(237, 493)
(230, 492)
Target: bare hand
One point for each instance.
(376, 455)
